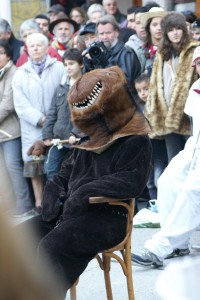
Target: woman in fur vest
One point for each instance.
(170, 81)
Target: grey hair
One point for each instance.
(72, 29)
(4, 26)
(29, 24)
(108, 19)
(95, 8)
(38, 37)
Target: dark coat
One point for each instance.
(126, 58)
(57, 123)
(120, 171)
(120, 18)
(17, 47)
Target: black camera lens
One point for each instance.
(95, 52)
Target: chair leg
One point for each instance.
(106, 264)
(73, 291)
(129, 276)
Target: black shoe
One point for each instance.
(179, 252)
(146, 258)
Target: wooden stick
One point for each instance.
(64, 141)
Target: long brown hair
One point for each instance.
(170, 21)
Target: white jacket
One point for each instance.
(32, 98)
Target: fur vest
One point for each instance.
(171, 119)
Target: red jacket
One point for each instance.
(24, 56)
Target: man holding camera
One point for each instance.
(112, 52)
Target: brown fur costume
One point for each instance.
(113, 159)
(163, 119)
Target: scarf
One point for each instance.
(61, 46)
(38, 66)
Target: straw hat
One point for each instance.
(154, 12)
(196, 55)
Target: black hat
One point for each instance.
(196, 23)
(65, 19)
(56, 8)
(89, 28)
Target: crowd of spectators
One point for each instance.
(93, 34)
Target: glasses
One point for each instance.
(2, 53)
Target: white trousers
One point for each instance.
(178, 204)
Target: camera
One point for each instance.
(99, 54)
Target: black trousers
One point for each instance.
(70, 246)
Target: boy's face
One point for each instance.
(197, 64)
(89, 38)
(131, 21)
(139, 28)
(195, 33)
(73, 68)
(142, 89)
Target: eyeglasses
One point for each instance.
(2, 53)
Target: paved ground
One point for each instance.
(91, 283)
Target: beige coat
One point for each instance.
(9, 121)
(171, 119)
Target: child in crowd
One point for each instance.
(57, 124)
(195, 30)
(142, 84)
(142, 88)
(178, 192)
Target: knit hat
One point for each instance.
(154, 12)
(174, 20)
(196, 55)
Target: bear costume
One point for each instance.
(112, 159)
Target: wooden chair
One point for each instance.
(124, 247)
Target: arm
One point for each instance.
(55, 191)
(130, 64)
(47, 131)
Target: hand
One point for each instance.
(76, 204)
(53, 198)
(37, 149)
(48, 142)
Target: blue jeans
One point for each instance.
(13, 160)
(159, 163)
(54, 160)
